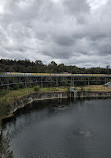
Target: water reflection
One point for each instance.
(62, 129)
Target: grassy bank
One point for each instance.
(8, 98)
(8, 101)
(94, 88)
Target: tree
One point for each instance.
(38, 62)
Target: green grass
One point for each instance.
(94, 88)
(54, 89)
(8, 99)
(10, 95)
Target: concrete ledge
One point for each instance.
(93, 94)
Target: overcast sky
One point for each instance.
(76, 32)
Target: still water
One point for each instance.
(62, 129)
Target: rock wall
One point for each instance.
(41, 96)
(25, 100)
(93, 94)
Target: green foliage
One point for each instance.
(68, 88)
(36, 88)
(17, 86)
(82, 89)
(3, 92)
(21, 85)
(9, 98)
(88, 90)
(37, 66)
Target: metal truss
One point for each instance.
(54, 80)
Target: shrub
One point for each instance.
(88, 90)
(21, 85)
(82, 89)
(36, 88)
(14, 87)
(3, 92)
(68, 88)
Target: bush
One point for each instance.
(36, 88)
(82, 89)
(3, 92)
(14, 87)
(68, 88)
(88, 90)
(21, 85)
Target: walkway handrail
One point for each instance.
(18, 74)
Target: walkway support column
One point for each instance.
(56, 82)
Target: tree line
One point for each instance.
(7, 65)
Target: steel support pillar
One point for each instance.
(56, 82)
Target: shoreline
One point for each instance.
(30, 98)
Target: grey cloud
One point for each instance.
(58, 52)
(76, 6)
(65, 31)
(64, 39)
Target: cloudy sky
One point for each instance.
(76, 32)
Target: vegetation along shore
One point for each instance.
(12, 100)
(9, 98)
